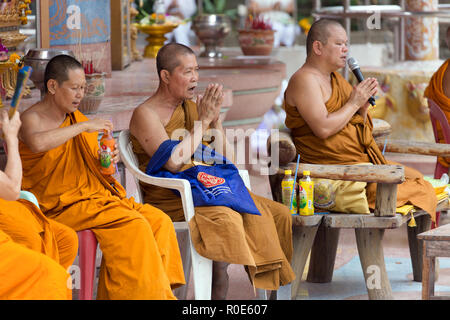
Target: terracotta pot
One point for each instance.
(256, 42)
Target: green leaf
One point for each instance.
(220, 5)
(208, 7)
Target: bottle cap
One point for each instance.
(306, 173)
(286, 172)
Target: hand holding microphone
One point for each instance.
(353, 65)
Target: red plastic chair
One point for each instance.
(87, 251)
(437, 115)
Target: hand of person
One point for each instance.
(115, 154)
(98, 124)
(10, 127)
(363, 91)
(209, 104)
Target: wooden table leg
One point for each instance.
(427, 275)
(370, 249)
(415, 245)
(323, 255)
(303, 238)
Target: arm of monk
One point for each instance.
(306, 93)
(149, 130)
(39, 136)
(11, 178)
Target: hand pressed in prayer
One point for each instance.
(209, 104)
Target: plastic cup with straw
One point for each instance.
(295, 181)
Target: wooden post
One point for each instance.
(44, 24)
(427, 275)
(303, 238)
(323, 255)
(416, 246)
(386, 200)
(370, 249)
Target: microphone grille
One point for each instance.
(352, 63)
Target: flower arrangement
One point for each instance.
(157, 19)
(257, 23)
(257, 37)
(24, 10)
(305, 24)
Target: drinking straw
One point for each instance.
(295, 181)
(384, 148)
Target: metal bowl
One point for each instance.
(211, 30)
(38, 59)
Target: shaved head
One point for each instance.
(319, 32)
(167, 57)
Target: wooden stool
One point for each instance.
(436, 243)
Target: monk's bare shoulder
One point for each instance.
(33, 115)
(144, 117)
(302, 82)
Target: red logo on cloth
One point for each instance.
(208, 180)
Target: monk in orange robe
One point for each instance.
(328, 118)
(29, 275)
(35, 251)
(438, 90)
(59, 151)
(262, 243)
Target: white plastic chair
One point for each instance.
(201, 266)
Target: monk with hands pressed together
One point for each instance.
(262, 243)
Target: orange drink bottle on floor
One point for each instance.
(107, 147)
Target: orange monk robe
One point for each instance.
(355, 144)
(29, 275)
(27, 225)
(261, 243)
(435, 92)
(141, 258)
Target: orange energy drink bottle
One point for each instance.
(107, 147)
(306, 195)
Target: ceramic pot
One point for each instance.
(256, 42)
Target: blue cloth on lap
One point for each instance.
(216, 185)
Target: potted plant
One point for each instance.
(95, 88)
(256, 39)
(212, 25)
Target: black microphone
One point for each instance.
(353, 65)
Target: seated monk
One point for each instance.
(35, 252)
(329, 121)
(263, 243)
(438, 90)
(59, 151)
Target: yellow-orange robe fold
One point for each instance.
(262, 243)
(141, 258)
(355, 144)
(29, 275)
(27, 225)
(435, 92)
